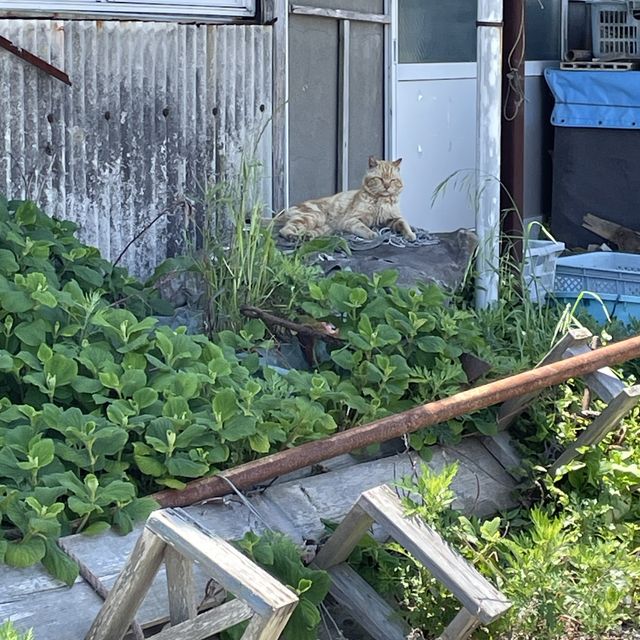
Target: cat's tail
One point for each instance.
(303, 221)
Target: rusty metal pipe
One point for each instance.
(251, 473)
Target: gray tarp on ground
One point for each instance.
(444, 262)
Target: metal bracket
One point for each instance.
(34, 60)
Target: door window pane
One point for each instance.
(543, 29)
(437, 30)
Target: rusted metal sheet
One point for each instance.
(155, 112)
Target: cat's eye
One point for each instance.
(376, 180)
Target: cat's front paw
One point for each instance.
(409, 235)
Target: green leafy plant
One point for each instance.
(566, 568)
(278, 555)
(9, 632)
(235, 260)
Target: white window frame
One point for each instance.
(203, 10)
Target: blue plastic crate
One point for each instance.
(603, 272)
(622, 308)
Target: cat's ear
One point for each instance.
(397, 163)
(372, 162)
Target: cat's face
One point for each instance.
(383, 178)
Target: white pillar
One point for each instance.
(488, 115)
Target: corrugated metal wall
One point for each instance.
(155, 110)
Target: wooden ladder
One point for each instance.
(173, 536)
(481, 601)
(620, 399)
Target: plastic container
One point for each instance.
(614, 277)
(622, 308)
(615, 30)
(539, 267)
(602, 272)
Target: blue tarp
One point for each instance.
(595, 99)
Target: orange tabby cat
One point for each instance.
(374, 204)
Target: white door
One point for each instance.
(436, 123)
(436, 108)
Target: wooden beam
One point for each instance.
(223, 562)
(207, 624)
(181, 587)
(344, 539)
(511, 409)
(461, 627)
(371, 612)
(339, 14)
(472, 589)
(268, 627)
(609, 419)
(127, 593)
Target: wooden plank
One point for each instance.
(603, 382)
(280, 158)
(223, 562)
(474, 591)
(609, 419)
(269, 627)
(344, 102)
(340, 14)
(500, 447)
(627, 239)
(209, 623)
(482, 487)
(124, 599)
(511, 409)
(371, 612)
(180, 586)
(461, 627)
(344, 539)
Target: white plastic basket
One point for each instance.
(539, 267)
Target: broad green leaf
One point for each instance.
(225, 405)
(8, 262)
(27, 213)
(116, 491)
(145, 397)
(43, 450)
(431, 344)
(15, 301)
(260, 443)
(64, 369)
(6, 361)
(59, 564)
(25, 552)
(32, 333)
(82, 384)
(131, 381)
(95, 528)
(239, 427)
(149, 466)
(184, 467)
(343, 358)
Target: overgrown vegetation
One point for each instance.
(100, 406)
(569, 565)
